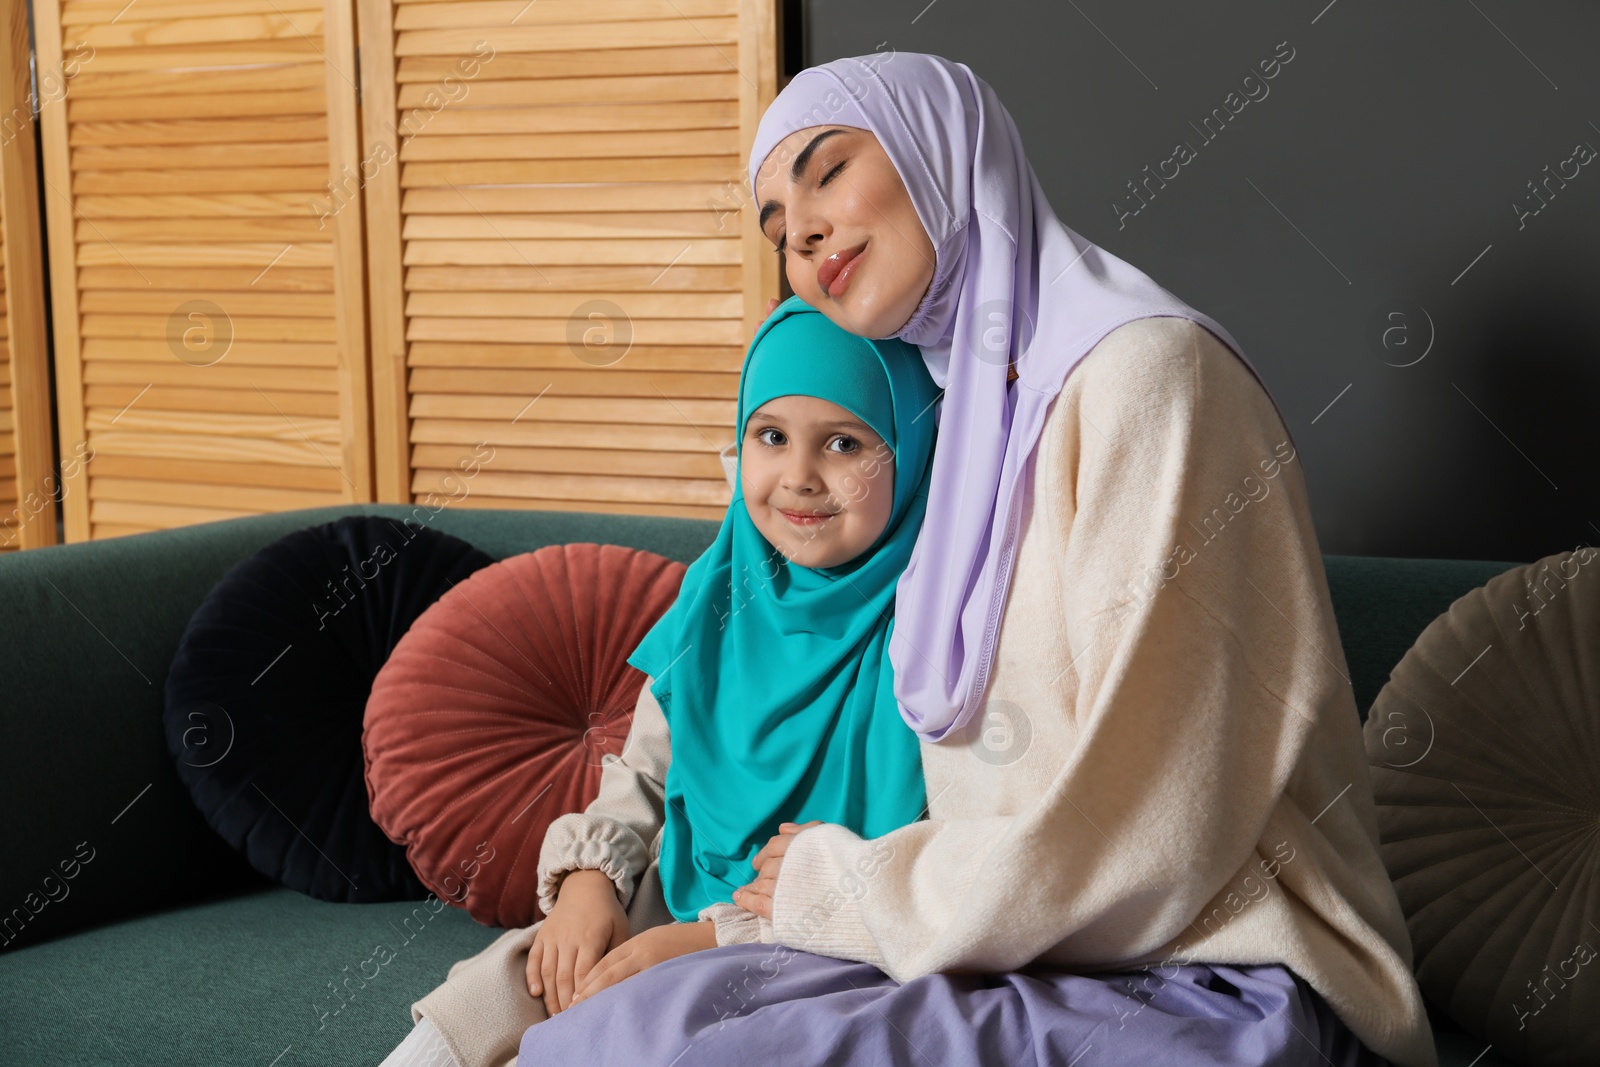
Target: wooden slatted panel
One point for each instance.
(17, 517)
(208, 289)
(29, 489)
(563, 275)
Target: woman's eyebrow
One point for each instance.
(796, 169)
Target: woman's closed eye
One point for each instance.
(783, 238)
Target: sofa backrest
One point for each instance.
(86, 635)
(1382, 604)
(89, 629)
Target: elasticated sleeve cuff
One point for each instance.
(583, 842)
(735, 926)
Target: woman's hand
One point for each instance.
(654, 946)
(586, 923)
(757, 896)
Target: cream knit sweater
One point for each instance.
(1169, 768)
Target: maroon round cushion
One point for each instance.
(491, 715)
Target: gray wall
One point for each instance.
(1380, 162)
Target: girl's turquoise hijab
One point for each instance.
(775, 678)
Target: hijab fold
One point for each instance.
(775, 679)
(1012, 285)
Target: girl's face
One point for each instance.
(818, 482)
(830, 193)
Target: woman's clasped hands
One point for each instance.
(583, 945)
(757, 896)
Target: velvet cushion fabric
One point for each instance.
(493, 714)
(265, 696)
(1484, 749)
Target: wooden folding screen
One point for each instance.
(29, 490)
(564, 268)
(207, 289)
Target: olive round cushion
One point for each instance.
(492, 716)
(265, 697)
(1485, 753)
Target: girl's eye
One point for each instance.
(848, 445)
(762, 435)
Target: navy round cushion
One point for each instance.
(264, 699)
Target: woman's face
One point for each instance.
(830, 193)
(818, 482)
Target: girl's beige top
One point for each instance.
(1169, 767)
(619, 833)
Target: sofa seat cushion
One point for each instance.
(232, 980)
(266, 694)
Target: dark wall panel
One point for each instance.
(1372, 202)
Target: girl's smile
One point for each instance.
(806, 518)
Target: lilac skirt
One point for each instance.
(755, 1003)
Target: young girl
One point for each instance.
(770, 675)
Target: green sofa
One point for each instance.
(164, 948)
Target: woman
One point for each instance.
(1151, 833)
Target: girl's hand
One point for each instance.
(772, 304)
(586, 923)
(757, 896)
(653, 946)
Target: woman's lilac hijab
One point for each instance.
(1012, 283)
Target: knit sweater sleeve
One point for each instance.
(1190, 680)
